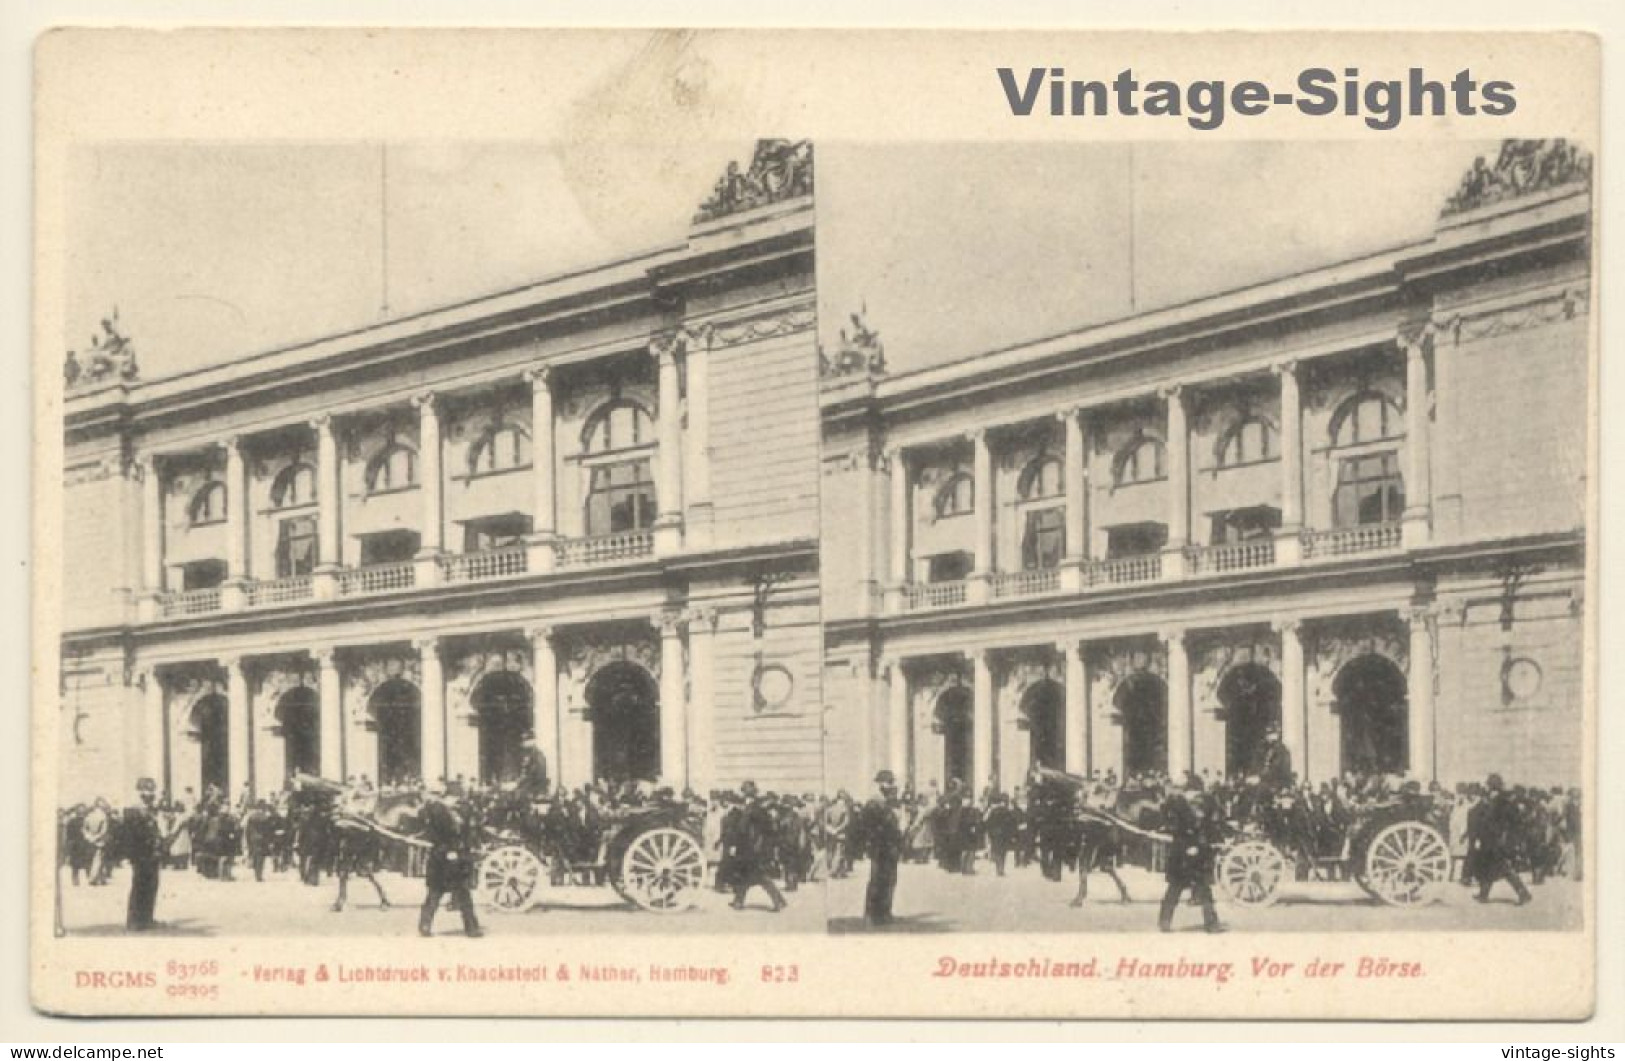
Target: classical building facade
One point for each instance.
(397, 552)
(1350, 503)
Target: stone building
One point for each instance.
(399, 551)
(1350, 503)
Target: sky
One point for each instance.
(214, 251)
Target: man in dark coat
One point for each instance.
(755, 838)
(1001, 831)
(144, 840)
(1275, 764)
(880, 837)
(1492, 838)
(1192, 821)
(450, 869)
(533, 781)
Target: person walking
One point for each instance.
(1492, 839)
(1194, 828)
(754, 840)
(450, 868)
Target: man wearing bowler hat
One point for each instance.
(881, 838)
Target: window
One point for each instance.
(619, 425)
(1041, 479)
(203, 574)
(296, 546)
(1369, 490)
(1044, 541)
(389, 547)
(1135, 539)
(948, 567)
(956, 497)
(295, 485)
(394, 468)
(620, 497)
(495, 532)
(502, 448)
(1367, 417)
(1245, 524)
(1248, 442)
(1141, 461)
(208, 505)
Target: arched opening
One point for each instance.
(299, 715)
(1044, 705)
(397, 712)
(1372, 706)
(1141, 702)
(624, 705)
(503, 709)
(211, 722)
(956, 722)
(1251, 697)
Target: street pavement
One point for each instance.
(928, 901)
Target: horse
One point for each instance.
(349, 838)
(1098, 834)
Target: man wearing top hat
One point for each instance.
(145, 840)
(881, 837)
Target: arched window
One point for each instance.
(1251, 440)
(1041, 479)
(208, 505)
(395, 466)
(956, 497)
(1367, 417)
(503, 446)
(1141, 461)
(620, 424)
(294, 485)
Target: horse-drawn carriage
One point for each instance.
(651, 855)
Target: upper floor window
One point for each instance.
(1044, 539)
(296, 547)
(620, 497)
(495, 532)
(1141, 461)
(208, 505)
(395, 466)
(1248, 442)
(1135, 539)
(1237, 525)
(294, 485)
(621, 424)
(1369, 490)
(1367, 417)
(1041, 479)
(949, 567)
(502, 447)
(956, 497)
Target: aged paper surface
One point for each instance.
(1041, 465)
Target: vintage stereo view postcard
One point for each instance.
(827, 524)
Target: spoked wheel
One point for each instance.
(1251, 872)
(661, 870)
(1406, 864)
(509, 879)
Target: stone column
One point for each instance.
(1077, 707)
(1288, 541)
(1294, 712)
(1179, 483)
(330, 690)
(1076, 465)
(702, 710)
(324, 584)
(544, 472)
(432, 713)
(152, 537)
(898, 758)
(232, 596)
(1181, 754)
(239, 717)
(981, 577)
(431, 541)
(154, 729)
(1419, 689)
(668, 526)
(544, 664)
(898, 575)
(673, 709)
(270, 748)
(1418, 515)
(981, 720)
(697, 353)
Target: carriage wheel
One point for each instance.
(1251, 872)
(1406, 863)
(660, 869)
(509, 879)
